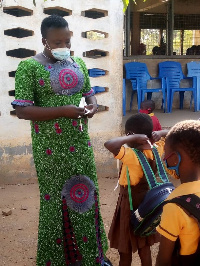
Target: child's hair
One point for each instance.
(186, 134)
(148, 105)
(139, 124)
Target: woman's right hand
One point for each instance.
(72, 111)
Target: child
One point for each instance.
(138, 129)
(147, 107)
(182, 154)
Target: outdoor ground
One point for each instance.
(18, 231)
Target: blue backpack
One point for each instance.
(146, 217)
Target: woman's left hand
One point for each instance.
(90, 110)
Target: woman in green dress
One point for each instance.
(49, 89)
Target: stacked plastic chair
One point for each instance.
(139, 75)
(172, 72)
(194, 71)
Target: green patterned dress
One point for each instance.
(70, 225)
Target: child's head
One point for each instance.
(182, 148)
(186, 135)
(148, 105)
(139, 124)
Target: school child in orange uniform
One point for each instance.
(138, 129)
(179, 231)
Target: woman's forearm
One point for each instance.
(36, 113)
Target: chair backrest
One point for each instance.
(172, 71)
(193, 69)
(137, 70)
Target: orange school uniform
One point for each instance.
(176, 223)
(130, 160)
(121, 236)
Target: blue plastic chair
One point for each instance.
(194, 71)
(96, 72)
(173, 74)
(139, 75)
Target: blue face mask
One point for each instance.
(61, 53)
(175, 168)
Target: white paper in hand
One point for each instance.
(82, 102)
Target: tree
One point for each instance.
(126, 3)
(35, 2)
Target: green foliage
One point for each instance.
(35, 2)
(126, 3)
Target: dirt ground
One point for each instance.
(18, 231)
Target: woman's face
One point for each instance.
(56, 38)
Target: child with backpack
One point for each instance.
(139, 135)
(179, 229)
(147, 107)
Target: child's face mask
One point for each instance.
(174, 169)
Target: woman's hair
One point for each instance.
(139, 124)
(186, 134)
(53, 21)
(148, 104)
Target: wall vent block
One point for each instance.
(18, 11)
(95, 53)
(11, 74)
(20, 53)
(11, 93)
(102, 108)
(57, 10)
(18, 32)
(94, 35)
(94, 13)
(13, 112)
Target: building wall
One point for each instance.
(16, 162)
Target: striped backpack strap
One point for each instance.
(149, 174)
(161, 169)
